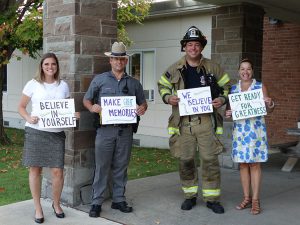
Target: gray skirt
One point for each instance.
(43, 149)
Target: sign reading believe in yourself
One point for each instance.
(247, 104)
(118, 110)
(57, 113)
(195, 101)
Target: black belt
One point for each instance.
(116, 125)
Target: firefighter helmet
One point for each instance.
(193, 34)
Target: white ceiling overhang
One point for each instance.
(286, 10)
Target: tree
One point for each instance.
(21, 27)
(130, 11)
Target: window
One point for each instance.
(141, 67)
(4, 82)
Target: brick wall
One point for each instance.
(281, 75)
(237, 34)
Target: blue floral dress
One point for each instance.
(249, 136)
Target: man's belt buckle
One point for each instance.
(117, 125)
(123, 125)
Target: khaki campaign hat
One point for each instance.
(118, 49)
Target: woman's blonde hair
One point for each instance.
(40, 76)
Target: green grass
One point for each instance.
(14, 177)
(147, 162)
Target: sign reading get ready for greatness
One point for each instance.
(247, 104)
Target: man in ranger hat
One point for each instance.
(114, 141)
(189, 133)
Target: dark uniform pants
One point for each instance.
(194, 134)
(112, 154)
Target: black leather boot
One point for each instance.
(188, 204)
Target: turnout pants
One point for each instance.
(197, 133)
(112, 154)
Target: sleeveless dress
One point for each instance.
(249, 136)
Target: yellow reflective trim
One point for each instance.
(173, 130)
(164, 84)
(219, 130)
(223, 80)
(164, 91)
(225, 93)
(163, 81)
(211, 192)
(190, 190)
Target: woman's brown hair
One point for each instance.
(40, 76)
(247, 61)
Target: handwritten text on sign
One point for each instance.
(118, 110)
(195, 101)
(247, 104)
(57, 113)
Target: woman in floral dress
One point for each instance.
(249, 140)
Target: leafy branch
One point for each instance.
(131, 11)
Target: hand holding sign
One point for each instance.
(33, 120)
(173, 100)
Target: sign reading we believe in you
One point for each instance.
(58, 113)
(247, 104)
(118, 110)
(195, 101)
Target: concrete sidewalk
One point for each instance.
(157, 200)
(22, 213)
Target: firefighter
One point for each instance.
(189, 133)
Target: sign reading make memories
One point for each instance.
(118, 110)
(57, 113)
(195, 101)
(247, 104)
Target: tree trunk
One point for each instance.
(4, 140)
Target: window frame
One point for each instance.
(4, 80)
(142, 76)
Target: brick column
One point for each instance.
(78, 32)
(237, 33)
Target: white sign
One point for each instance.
(195, 101)
(247, 104)
(118, 110)
(57, 113)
